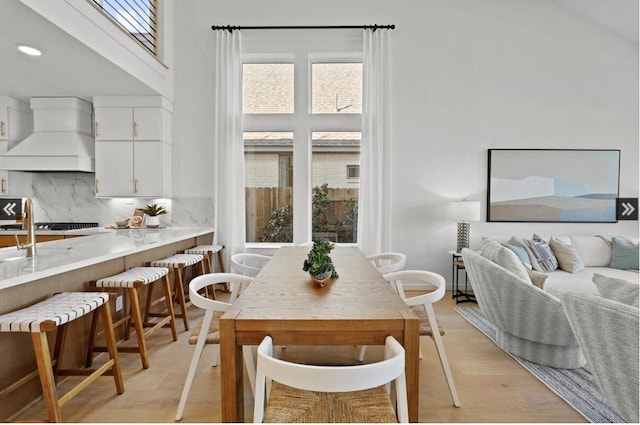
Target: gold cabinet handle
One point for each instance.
(135, 186)
(135, 129)
(4, 185)
(3, 128)
(97, 129)
(97, 185)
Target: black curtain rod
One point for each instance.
(230, 28)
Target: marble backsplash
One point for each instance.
(70, 197)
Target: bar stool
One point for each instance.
(55, 313)
(207, 252)
(130, 281)
(177, 263)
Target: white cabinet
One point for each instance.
(15, 183)
(133, 146)
(16, 122)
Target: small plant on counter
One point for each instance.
(318, 262)
(153, 210)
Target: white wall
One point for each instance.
(468, 75)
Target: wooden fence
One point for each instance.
(262, 201)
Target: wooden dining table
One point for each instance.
(358, 308)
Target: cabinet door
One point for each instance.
(148, 168)
(147, 123)
(114, 168)
(114, 123)
(15, 183)
(15, 124)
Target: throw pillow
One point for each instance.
(567, 257)
(618, 290)
(545, 258)
(537, 278)
(521, 253)
(503, 257)
(624, 254)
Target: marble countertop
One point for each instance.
(75, 232)
(70, 254)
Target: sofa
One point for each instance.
(518, 283)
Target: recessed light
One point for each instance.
(28, 50)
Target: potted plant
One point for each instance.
(318, 262)
(152, 211)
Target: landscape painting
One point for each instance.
(553, 185)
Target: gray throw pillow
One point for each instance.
(624, 254)
(618, 290)
(503, 257)
(544, 256)
(567, 257)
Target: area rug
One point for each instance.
(575, 386)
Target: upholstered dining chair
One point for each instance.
(422, 306)
(208, 330)
(309, 393)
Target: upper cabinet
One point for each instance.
(133, 146)
(16, 122)
(15, 184)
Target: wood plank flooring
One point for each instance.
(492, 386)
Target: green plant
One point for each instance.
(318, 261)
(279, 227)
(153, 210)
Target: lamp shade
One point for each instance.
(464, 211)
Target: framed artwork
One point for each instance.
(553, 185)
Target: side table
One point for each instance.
(457, 265)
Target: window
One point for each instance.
(302, 128)
(353, 171)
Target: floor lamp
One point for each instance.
(463, 212)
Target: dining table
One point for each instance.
(357, 308)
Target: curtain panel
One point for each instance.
(374, 210)
(229, 220)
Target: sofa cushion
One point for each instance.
(618, 290)
(592, 250)
(567, 257)
(503, 257)
(624, 255)
(544, 256)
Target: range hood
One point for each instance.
(61, 138)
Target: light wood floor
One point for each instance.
(492, 386)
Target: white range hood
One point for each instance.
(61, 138)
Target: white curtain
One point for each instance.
(229, 217)
(374, 209)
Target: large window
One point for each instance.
(302, 131)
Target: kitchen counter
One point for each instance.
(99, 245)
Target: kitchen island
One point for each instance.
(69, 265)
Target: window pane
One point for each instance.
(336, 88)
(267, 88)
(335, 192)
(268, 177)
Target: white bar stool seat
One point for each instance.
(130, 280)
(55, 313)
(178, 262)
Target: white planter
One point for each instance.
(152, 221)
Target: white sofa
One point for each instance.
(596, 253)
(528, 315)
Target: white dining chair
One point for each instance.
(385, 262)
(422, 306)
(358, 393)
(208, 330)
(247, 264)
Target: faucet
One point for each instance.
(27, 224)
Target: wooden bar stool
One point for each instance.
(56, 313)
(207, 252)
(177, 263)
(130, 281)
